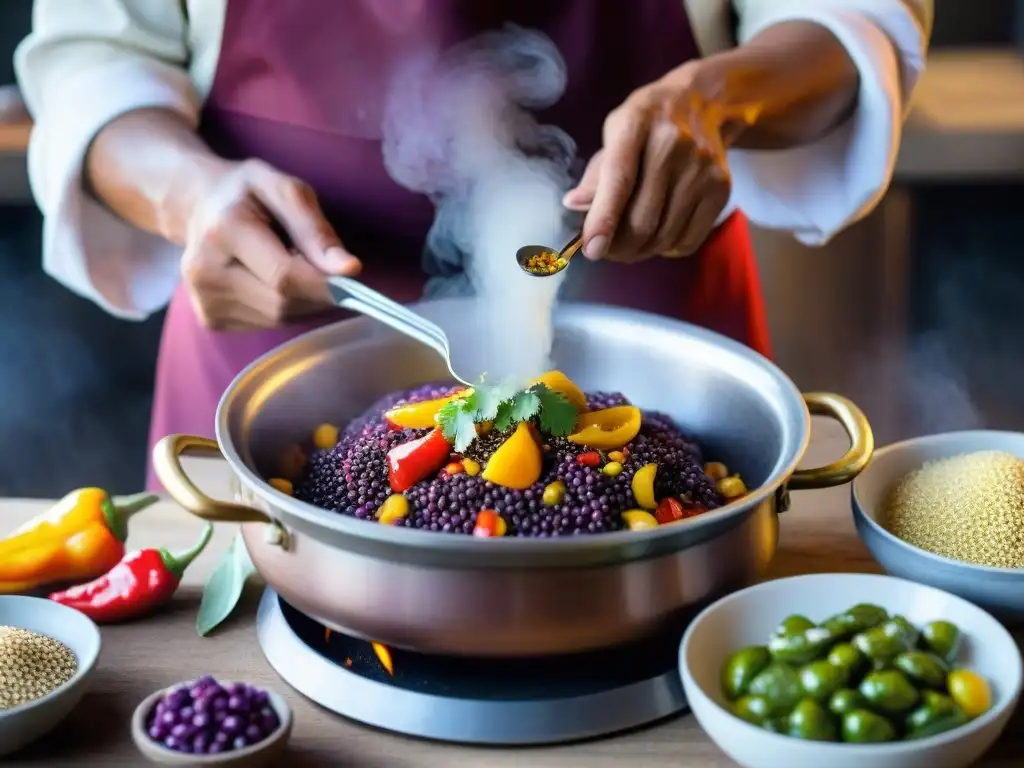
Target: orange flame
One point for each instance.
(381, 651)
(384, 657)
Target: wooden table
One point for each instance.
(817, 536)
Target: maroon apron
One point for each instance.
(300, 84)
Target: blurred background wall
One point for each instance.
(914, 312)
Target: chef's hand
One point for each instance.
(661, 179)
(239, 273)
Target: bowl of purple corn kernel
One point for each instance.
(207, 722)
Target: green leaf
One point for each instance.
(489, 399)
(503, 418)
(224, 587)
(557, 414)
(525, 406)
(465, 432)
(447, 418)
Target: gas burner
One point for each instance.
(473, 701)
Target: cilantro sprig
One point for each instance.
(506, 407)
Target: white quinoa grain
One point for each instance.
(968, 507)
(31, 666)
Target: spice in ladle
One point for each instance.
(541, 261)
(31, 666)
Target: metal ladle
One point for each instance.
(562, 258)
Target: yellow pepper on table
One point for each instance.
(78, 539)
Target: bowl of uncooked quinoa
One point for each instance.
(47, 656)
(948, 510)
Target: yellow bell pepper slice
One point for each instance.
(643, 486)
(608, 429)
(558, 382)
(517, 462)
(639, 520)
(422, 415)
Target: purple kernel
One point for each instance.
(220, 702)
(200, 743)
(238, 703)
(215, 749)
(258, 697)
(201, 720)
(156, 733)
(253, 733)
(172, 742)
(219, 715)
(180, 731)
(231, 724)
(168, 718)
(240, 742)
(186, 713)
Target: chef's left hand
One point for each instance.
(659, 183)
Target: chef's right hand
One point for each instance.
(239, 273)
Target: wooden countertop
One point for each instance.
(817, 536)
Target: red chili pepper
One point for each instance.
(411, 462)
(143, 581)
(669, 511)
(589, 459)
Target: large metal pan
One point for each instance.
(461, 595)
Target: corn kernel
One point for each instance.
(731, 487)
(471, 467)
(325, 437)
(611, 469)
(394, 508)
(716, 470)
(639, 520)
(554, 493)
(618, 456)
(282, 485)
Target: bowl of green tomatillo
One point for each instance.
(848, 670)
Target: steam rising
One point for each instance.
(457, 128)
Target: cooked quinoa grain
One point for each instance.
(968, 507)
(352, 478)
(31, 666)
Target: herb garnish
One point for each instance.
(506, 407)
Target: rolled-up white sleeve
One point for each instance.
(85, 63)
(817, 189)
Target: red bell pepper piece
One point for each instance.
(669, 511)
(489, 524)
(143, 581)
(416, 460)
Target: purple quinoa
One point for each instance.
(352, 477)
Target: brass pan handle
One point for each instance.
(862, 443)
(167, 464)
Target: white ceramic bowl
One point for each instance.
(999, 590)
(750, 616)
(22, 725)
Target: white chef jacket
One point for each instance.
(88, 61)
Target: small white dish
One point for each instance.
(269, 752)
(750, 616)
(22, 725)
(997, 590)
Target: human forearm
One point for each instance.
(797, 77)
(150, 167)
